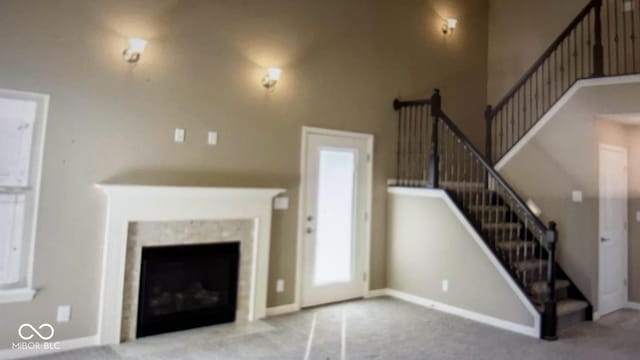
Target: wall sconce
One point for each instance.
(270, 80)
(135, 49)
(449, 26)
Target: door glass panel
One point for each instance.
(334, 225)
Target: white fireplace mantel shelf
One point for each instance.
(130, 203)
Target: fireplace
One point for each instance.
(187, 286)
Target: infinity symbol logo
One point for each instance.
(36, 332)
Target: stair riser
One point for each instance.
(474, 197)
(561, 294)
(569, 320)
(515, 256)
(497, 235)
(532, 276)
(490, 216)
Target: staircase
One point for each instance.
(433, 152)
(603, 40)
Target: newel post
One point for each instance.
(550, 316)
(434, 157)
(598, 48)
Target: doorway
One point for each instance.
(613, 240)
(334, 228)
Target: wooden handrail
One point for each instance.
(485, 163)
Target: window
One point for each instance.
(22, 128)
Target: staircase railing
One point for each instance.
(603, 40)
(454, 162)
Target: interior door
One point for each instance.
(613, 248)
(335, 207)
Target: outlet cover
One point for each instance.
(576, 196)
(212, 138)
(280, 285)
(178, 135)
(64, 313)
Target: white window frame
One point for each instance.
(23, 289)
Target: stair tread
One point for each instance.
(465, 184)
(530, 264)
(540, 287)
(511, 225)
(515, 244)
(570, 306)
(488, 208)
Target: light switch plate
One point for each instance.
(638, 216)
(628, 5)
(64, 313)
(212, 138)
(445, 285)
(281, 203)
(576, 196)
(280, 286)
(178, 135)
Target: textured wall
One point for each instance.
(343, 62)
(519, 32)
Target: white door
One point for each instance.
(335, 203)
(613, 248)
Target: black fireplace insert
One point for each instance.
(187, 286)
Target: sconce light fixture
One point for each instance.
(270, 80)
(449, 26)
(135, 49)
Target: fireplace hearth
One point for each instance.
(187, 286)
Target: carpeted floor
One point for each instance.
(380, 328)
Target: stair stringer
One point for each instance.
(559, 104)
(533, 331)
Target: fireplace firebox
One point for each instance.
(187, 286)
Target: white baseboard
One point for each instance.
(282, 309)
(376, 293)
(65, 345)
(531, 331)
(633, 305)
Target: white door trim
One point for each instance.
(600, 217)
(306, 131)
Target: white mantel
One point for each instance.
(130, 203)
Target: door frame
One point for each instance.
(600, 217)
(369, 138)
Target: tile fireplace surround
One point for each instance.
(165, 215)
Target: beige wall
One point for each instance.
(427, 243)
(343, 62)
(633, 145)
(563, 157)
(519, 32)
